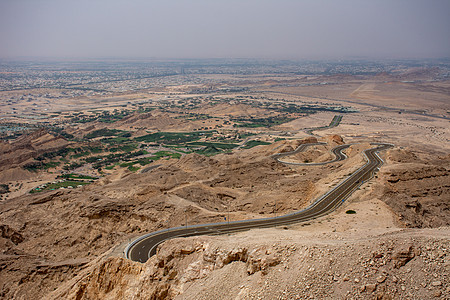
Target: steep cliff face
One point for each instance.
(177, 264)
(401, 265)
(418, 190)
(113, 278)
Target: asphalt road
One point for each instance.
(335, 122)
(337, 152)
(145, 246)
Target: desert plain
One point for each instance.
(87, 167)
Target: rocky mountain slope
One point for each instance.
(58, 244)
(277, 263)
(418, 189)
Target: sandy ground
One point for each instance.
(340, 256)
(370, 254)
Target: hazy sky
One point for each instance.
(279, 29)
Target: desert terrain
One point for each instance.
(88, 167)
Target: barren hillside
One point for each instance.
(83, 224)
(199, 149)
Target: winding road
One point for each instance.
(335, 122)
(337, 152)
(142, 248)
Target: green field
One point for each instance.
(55, 186)
(174, 138)
(251, 144)
(260, 122)
(77, 176)
(211, 144)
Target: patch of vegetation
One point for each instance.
(51, 164)
(308, 109)
(125, 148)
(127, 164)
(76, 176)
(161, 154)
(251, 144)
(97, 149)
(49, 155)
(93, 159)
(39, 165)
(178, 149)
(145, 161)
(57, 185)
(110, 167)
(80, 154)
(116, 140)
(260, 122)
(4, 188)
(145, 109)
(104, 117)
(102, 132)
(216, 145)
(196, 116)
(244, 135)
(133, 168)
(173, 138)
(73, 165)
(61, 132)
(209, 151)
(114, 158)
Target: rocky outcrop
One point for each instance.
(7, 232)
(419, 193)
(402, 156)
(404, 255)
(150, 121)
(396, 266)
(418, 172)
(261, 259)
(30, 146)
(27, 277)
(289, 146)
(164, 275)
(334, 139)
